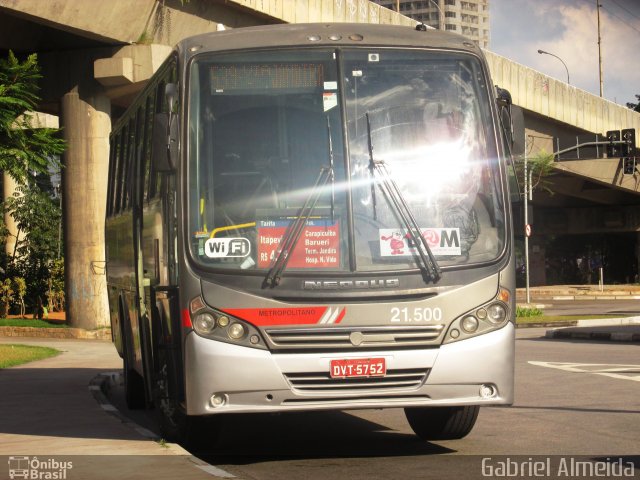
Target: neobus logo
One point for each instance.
(227, 247)
(350, 284)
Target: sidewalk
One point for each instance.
(613, 329)
(48, 411)
(578, 292)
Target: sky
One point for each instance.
(569, 29)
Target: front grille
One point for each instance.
(352, 338)
(356, 400)
(406, 379)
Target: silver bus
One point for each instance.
(306, 217)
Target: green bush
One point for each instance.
(528, 312)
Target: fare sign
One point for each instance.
(317, 247)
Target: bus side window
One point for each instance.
(129, 164)
(122, 155)
(146, 155)
(113, 159)
(154, 176)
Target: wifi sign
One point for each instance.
(227, 247)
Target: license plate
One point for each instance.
(358, 367)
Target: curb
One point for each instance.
(99, 387)
(568, 323)
(65, 333)
(547, 298)
(606, 336)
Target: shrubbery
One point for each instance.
(31, 273)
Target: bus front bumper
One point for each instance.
(476, 371)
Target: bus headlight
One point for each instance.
(204, 323)
(470, 324)
(496, 313)
(482, 319)
(217, 325)
(236, 331)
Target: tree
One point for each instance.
(37, 216)
(27, 153)
(20, 288)
(23, 147)
(6, 296)
(55, 295)
(539, 167)
(635, 106)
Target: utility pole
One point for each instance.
(600, 50)
(526, 223)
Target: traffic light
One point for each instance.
(629, 148)
(629, 165)
(613, 149)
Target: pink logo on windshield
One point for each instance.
(432, 237)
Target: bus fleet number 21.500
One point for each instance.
(417, 314)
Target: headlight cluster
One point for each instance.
(210, 323)
(490, 316)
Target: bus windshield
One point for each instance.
(263, 125)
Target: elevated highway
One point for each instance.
(97, 55)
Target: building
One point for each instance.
(467, 17)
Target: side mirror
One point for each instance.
(164, 139)
(517, 131)
(512, 122)
(171, 93)
(503, 99)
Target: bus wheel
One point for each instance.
(193, 433)
(442, 423)
(169, 413)
(133, 382)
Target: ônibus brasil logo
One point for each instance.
(33, 468)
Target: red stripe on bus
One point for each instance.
(265, 317)
(341, 316)
(186, 319)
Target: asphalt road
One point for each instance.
(573, 398)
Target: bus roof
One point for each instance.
(323, 34)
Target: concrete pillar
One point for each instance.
(86, 126)
(9, 188)
(637, 274)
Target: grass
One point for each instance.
(28, 322)
(560, 318)
(12, 355)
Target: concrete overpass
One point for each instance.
(591, 196)
(96, 55)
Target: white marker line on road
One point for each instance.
(609, 369)
(212, 470)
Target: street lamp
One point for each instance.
(440, 19)
(565, 65)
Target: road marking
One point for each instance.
(621, 372)
(215, 471)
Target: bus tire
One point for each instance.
(133, 382)
(192, 432)
(442, 423)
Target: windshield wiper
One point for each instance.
(428, 260)
(291, 236)
(331, 171)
